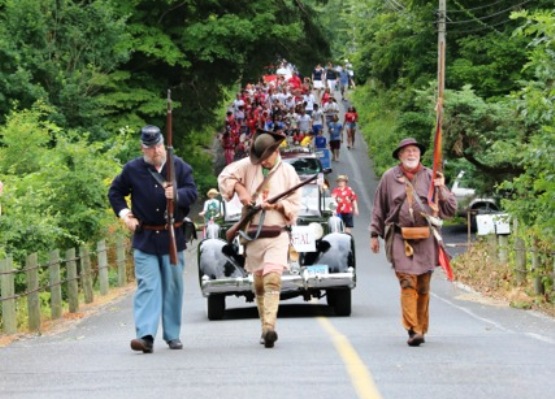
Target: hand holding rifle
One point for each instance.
(251, 210)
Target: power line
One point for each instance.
(484, 27)
(395, 5)
(465, 10)
(476, 19)
(398, 3)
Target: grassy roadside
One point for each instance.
(479, 268)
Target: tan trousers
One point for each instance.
(415, 301)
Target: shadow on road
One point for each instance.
(286, 311)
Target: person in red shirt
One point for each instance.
(298, 136)
(295, 81)
(228, 145)
(325, 97)
(350, 124)
(346, 201)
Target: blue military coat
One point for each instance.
(148, 202)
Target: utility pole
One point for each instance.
(441, 28)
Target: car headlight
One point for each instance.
(317, 230)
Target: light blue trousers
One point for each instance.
(159, 294)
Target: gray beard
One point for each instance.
(149, 161)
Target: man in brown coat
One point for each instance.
(256, 179)
(401, 201)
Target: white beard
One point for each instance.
(411, 164)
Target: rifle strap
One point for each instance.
(158, 177)
(248, 238)
(160, 180)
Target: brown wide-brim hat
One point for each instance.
(405, 143)
(264, 143)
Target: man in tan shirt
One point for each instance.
(256, 179)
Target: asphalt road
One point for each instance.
(474, 349)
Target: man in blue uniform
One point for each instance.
(159, 284)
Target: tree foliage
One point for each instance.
(55, 184)
(534, 190)
(79, 78)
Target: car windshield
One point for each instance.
(305, 166)
(310, 201)
(233, 209)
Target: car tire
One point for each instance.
(216, 307)
(330, 298)
(342, 302)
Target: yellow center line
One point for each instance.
(360, 376)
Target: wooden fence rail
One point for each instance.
(526, 262)
(75, 272)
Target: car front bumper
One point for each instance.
(290, 282)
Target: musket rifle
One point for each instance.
(252, 210)
(170, 177)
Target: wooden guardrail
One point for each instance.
(74, 272)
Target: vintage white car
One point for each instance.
(321, 258)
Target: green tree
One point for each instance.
(55, 194)
(63, 53)
(533, 200)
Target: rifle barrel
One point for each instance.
(170, 177)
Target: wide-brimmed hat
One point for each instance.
(342, 177)
(151, 136)
(406, 142)
(264, 144)
(212, 193)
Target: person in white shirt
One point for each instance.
(304, 122)
(309, 101)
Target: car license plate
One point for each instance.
(317, 269)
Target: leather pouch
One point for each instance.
(415, 233)
(265, 232)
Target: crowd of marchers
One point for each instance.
(298, 106)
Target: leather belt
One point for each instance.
(160, 227)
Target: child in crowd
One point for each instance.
(346, 201)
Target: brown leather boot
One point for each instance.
(272, 286)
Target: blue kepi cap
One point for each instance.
(151, 136)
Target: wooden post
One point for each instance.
(33, 303)
(553, 276)
(86, 274)
(120, 259)
(7, 279)
(520, 260)
(55, 285)
(72, 281)
(491, 240)
(536, 272)
(103, 275)
(503, 249)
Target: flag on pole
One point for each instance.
(433, 199)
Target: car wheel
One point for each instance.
(342, 302)
(216, 307)
(330, 298)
